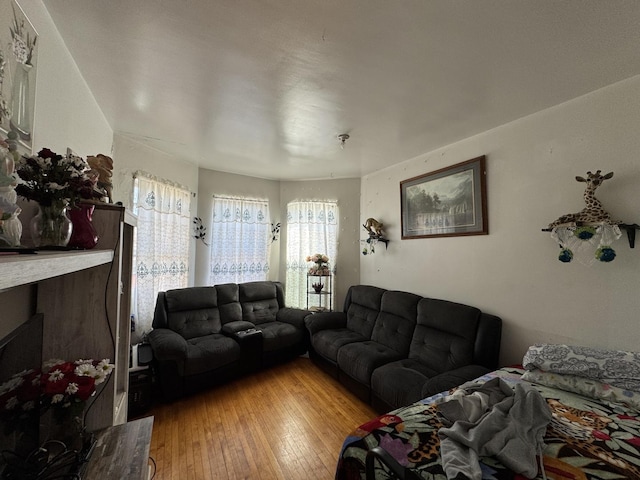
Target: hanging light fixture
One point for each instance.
(343, 137)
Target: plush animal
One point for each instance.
(103, 167)
(373, 226)
(594, 212)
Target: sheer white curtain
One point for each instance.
(162, 243)
(240, 238)
(312, 227)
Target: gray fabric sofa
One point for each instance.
(206, 335)
(393, 348)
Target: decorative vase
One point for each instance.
(318, 287)
(84, 234)
(20, 104)
(51, 227)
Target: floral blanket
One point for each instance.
(590, 437)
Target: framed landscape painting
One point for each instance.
(449, 202)
(18, 63)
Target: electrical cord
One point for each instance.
(155, 467)
(111, 334)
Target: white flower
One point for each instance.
(57, 398)
(105, 366)
(85, 370)
(71, 388)
(20, 50)
(100, 377)
(56, 375)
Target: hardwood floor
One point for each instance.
(287, 422)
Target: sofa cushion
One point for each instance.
(396, 321)
(400, 383)
(193, 312)
(193, 298)
(445, 334)
(209, 352)
(327, 342)
(259, 301)
(229, 302)
(360, 359)
(279, 335)
(363, 308)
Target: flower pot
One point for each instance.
(84, 234)
(51, 227)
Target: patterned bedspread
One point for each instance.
(588, 438)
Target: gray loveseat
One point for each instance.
(393, 348)
(206, 335)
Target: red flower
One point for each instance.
(66, 368)
(46, 153)
(86, 387)
(55, 388)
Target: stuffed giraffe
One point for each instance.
(593, 212)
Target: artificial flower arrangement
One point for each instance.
(321, 264)
(59, 384)
(56, 180)
(22, 43)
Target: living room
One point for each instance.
(513, 272)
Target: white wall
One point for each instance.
(514, 272)
(66, 113)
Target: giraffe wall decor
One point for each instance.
(593, 212)
(589, 233)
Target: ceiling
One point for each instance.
(264, 87)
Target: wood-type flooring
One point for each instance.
(286, 422)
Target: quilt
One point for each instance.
(590, 436)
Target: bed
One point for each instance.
(593, 430)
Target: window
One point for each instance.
(312, 227)
(240, 239)
(162, 243)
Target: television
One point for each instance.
(20, 351)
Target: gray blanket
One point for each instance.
(492, 420)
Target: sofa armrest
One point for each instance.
(324, 321)
(232, 328)
(448, 380)
(293, 316)
(167, 344)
